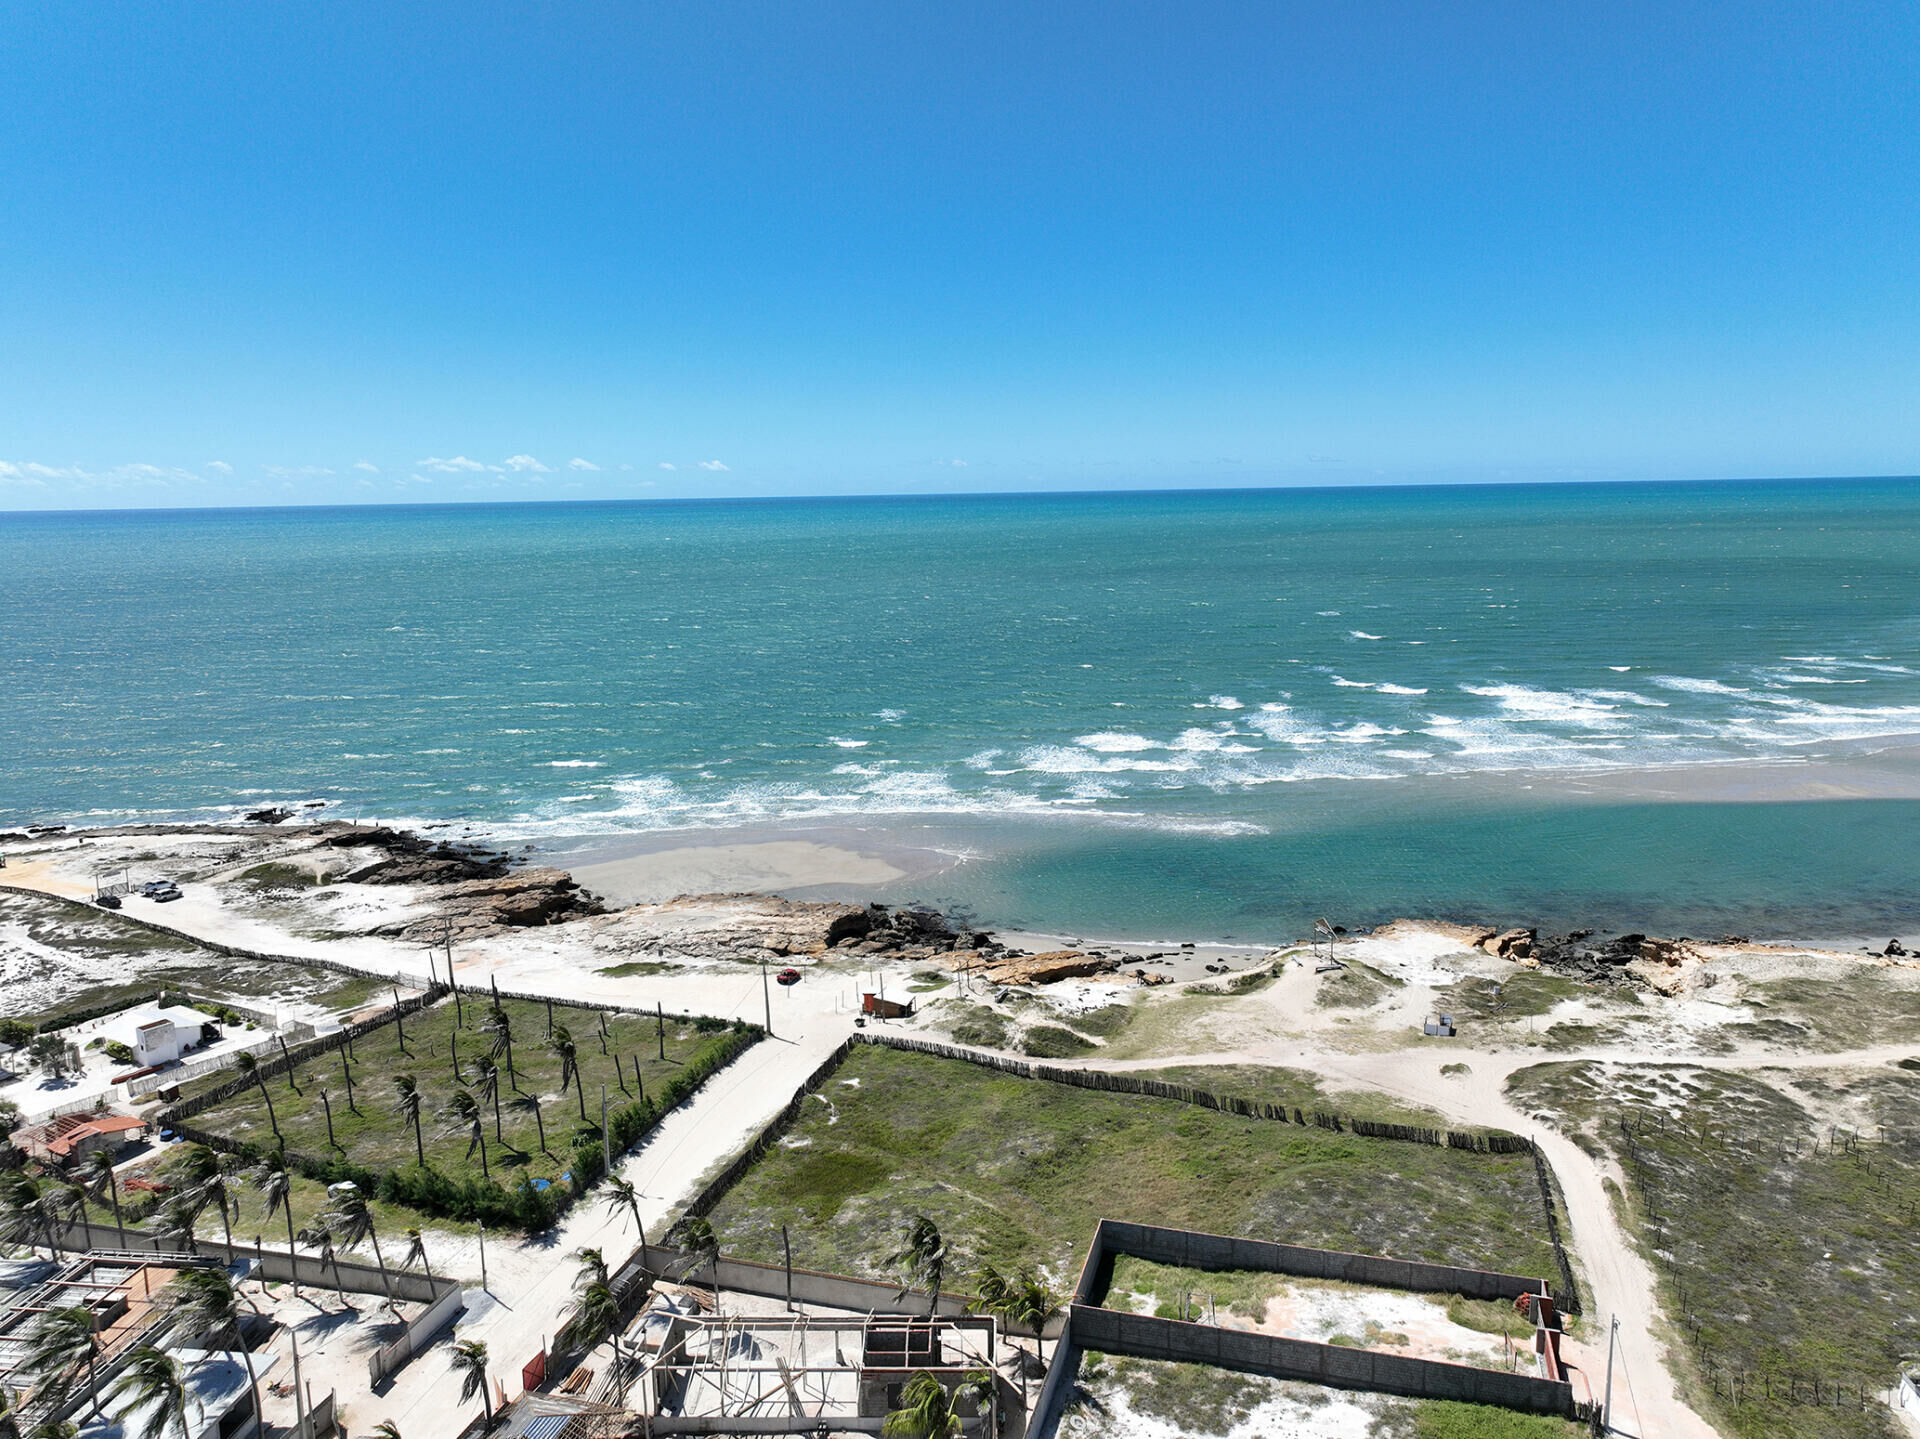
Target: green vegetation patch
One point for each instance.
(1519, 995)
(1050, 1041)
(1297, 1089)
(975, 1024)
(1784, 1249)
(1356, 986)
(1018, 1170)
(639, 969)
(445, 1061)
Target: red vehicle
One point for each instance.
(788, 976)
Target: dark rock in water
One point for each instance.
(271, 815)
(1894, 950)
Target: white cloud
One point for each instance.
(12, 474)
(32, 472)
(525, 462)
(220, 466)
(454, 466)
(953, 464)
(296, 472)
(668, 465)
(366, 467)
(712, 465)
(576, 463)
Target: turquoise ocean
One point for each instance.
(1207, 714)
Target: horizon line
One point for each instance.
(915, 495)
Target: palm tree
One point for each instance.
(51, 1428)
(530, 1104)
(60, 1342)
(9, 1413)
(921, 1259)
(416, 1252)
(385, 1429)
(350, 1220)
(319, 1238)
(622, 1195)
(487, 1081)
(927, 1411)
(152, 1381)
(203, 1181)
(1030, 1304)
(28, 1211)
(205, 1304)
(593, 1268)
(469, 1360)
(498, 1027)
(98, 1167)
(464, 1115)
(596, 1313)
(250, 1067)
(408, 1108)
(568, 1053)
(275, 1184)
(70, 1203)
(700, 1247)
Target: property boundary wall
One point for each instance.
(1142, 1336)
(419, 1333)
(275, 1264)
(1109, 1331)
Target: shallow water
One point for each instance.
(1213, 677)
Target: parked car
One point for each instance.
(788, 976)
(108, 901)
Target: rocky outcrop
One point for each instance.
(750, 928)
(1046, 968)
(1510, 944)
(525, 898)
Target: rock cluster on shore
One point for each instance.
(477, 890)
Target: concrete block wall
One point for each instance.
(1188, 1249)
(1141, 1336)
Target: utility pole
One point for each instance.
(1606, 1403)
(766, 997)
(660, 1023)
(606, 1135)
(483, 1256)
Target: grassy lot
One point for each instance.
(1018, 1170)
(1835, 1009)
(1780, 1257)
(1297, 1089)
(1520, 995)
(374, 1135)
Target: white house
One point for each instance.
(160, 1034)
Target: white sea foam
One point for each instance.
(1696, 687)
(1115, 742)
(575, 764)
(1220, 702)
(848, 743)
(1352, 684)
(1387, 689)
(1524, 702)
(1363, 635)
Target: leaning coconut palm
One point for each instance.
(249, 1068)
(464, 1116)
(568, 1053)
(530, 1104)
(699, 1246)
(593, 1268)
(98, 1168)
(407, 1107)
(928, 1411)
(9, 1413)
(60, 1344)
(621, 1194)
(596, 1314)
(498, 1027)
(200, 1179)
(151, 1385)
(29, 1212)
(275, 1184)
(486, 1082)
(921, 1259)
(205, 1304)
(319, 1239)
(1030, 1304)
(469, 1361)
(71, 1199)
(386, 1429)
(416, 1252)
(350, 1221)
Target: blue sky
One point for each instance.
(300, 253)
